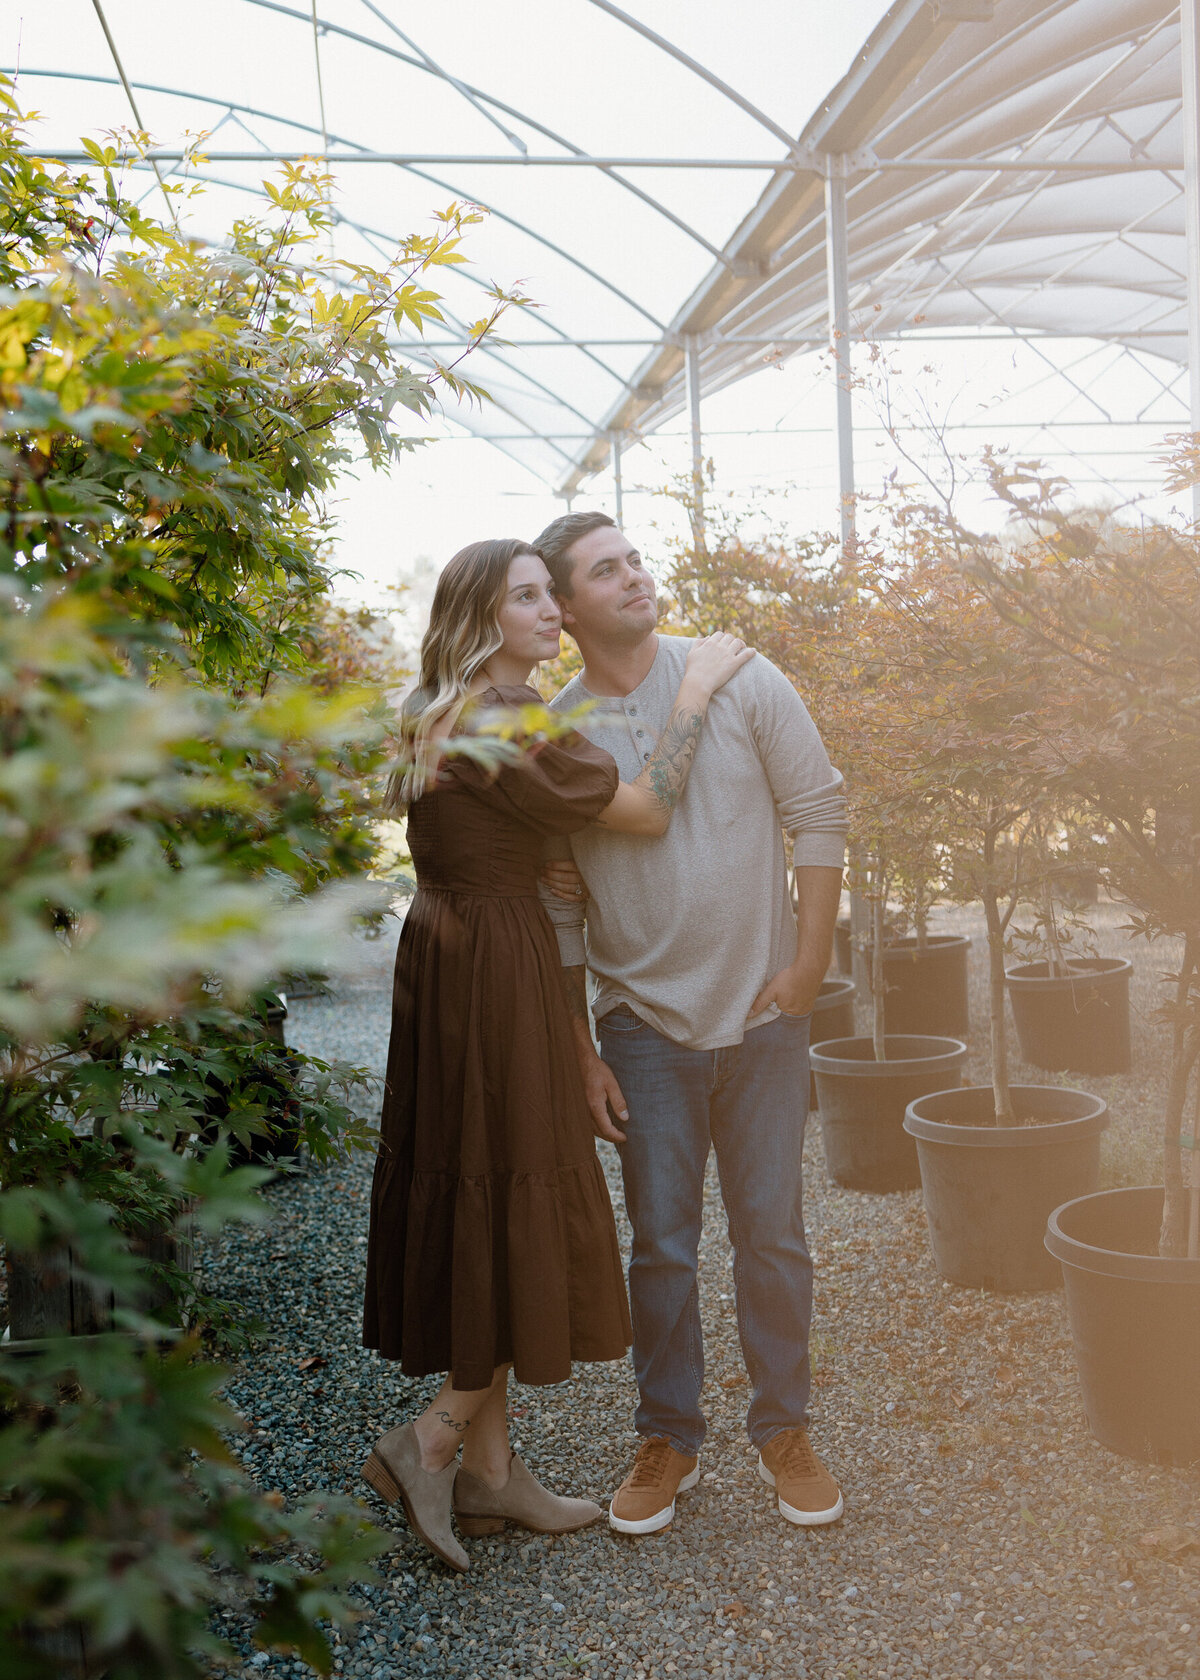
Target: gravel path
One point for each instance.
(985, 1534)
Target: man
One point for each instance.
(704, 984)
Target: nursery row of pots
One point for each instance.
(1018, 1208)
(1077, 1022)
(1014, 719)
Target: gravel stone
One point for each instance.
(986, 1533)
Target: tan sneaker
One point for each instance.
(645, 1500)
(807, 1493)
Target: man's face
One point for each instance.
(612, 596)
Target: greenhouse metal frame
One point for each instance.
(1024, 168)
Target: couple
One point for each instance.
(492, 1241)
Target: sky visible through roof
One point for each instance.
(250, 71)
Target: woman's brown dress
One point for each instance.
(492, 1235)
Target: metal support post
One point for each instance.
(692, 372)
(837, 277)
(614, 451)
(1189, 22)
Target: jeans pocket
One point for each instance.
(621, 1020)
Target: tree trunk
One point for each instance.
(878, 984)
(1057, 966)
(1194, 1181)
(860, 919)
(1185, 1044)
(997, 1026)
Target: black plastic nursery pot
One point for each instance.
(863, 1102)
(832, 1017)
(926, 986)
(833, 1012)
(1135, 1322)
(990, 1189)
(46, 1296)
(854, 964)
(1079, 1022)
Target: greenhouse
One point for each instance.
(599, 653)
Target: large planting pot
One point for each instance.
(990, 1189)
(46, 1298)
(862, 1104)
(1135, 1322)
(1080, 1021)
(925, 988)
(832, 1017)
(833, 1012)
(69, 1650)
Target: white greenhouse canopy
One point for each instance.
(681, 195)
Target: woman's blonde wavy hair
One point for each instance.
(463, 635)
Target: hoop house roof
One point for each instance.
(1016, 166)
(656, 175)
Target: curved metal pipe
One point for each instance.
(308, 128)
(508, 110)
(418, 352)
(698, 69)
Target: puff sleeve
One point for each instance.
(557, 786)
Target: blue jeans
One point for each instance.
(748, 1101)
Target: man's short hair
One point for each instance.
(557, 540)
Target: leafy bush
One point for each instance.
(186, 811)
(115, 919)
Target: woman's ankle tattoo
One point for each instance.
(452, 1423)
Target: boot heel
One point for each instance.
(377, 1475)
(475, 1526)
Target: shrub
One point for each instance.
(183, 819)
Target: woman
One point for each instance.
(492, 1241)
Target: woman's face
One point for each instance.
(529, 618)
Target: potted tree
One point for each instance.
(870, 704)
(995, 1159)
(925, 982)
(1121, 609)
(1070, 1008)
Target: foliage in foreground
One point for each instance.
(186, 815)
(117, 915)
(125, 1514)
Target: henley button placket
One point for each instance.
(631, 711)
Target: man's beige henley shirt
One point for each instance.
(686, 929)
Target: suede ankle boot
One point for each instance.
(481, 1509)
(394, 1471)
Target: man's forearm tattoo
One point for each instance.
(452, 1423)
(668, 768)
